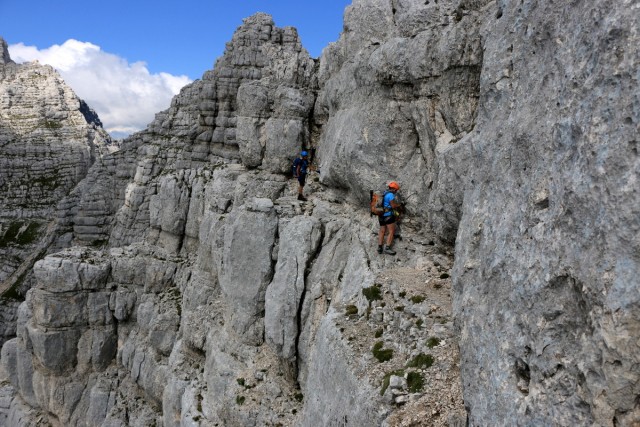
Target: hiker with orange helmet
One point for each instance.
(388, 219)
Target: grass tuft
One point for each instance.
(381, 354)
(417, 299)
(372, 293)
(415, 382)
(421, 361)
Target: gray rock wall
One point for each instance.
(212, 296)
(284, 296)
(47, 143)
(264, 80)
(49, 138)
(186, 292)
(396, 90)
(547, 250)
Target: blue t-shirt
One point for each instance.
(388, 197)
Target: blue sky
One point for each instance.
(163, 44)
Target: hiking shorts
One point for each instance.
(386, 220)
(302, 178)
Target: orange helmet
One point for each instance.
(394, 185)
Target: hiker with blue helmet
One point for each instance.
(387, 220)
(300, 166)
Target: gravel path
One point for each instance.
(408, 321)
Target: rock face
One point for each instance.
(197, 290)
(547, 255)
(48, 140)
(398, 88)
(6, 58)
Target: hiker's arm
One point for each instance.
(394, 204)
(298, 170)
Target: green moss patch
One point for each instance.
(417, 299)
(421, 361)
(415, 382)
(433, 342)
(52, 124)
(372, 293)
(381, 354)
(350, 310)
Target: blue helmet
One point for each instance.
(304, 154)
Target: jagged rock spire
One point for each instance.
(6, 59)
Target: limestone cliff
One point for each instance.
(197, 290)
(48, 140)
(548, 249)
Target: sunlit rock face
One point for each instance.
(399, 89)
(182, 226)
(49, 138)
(194, 289)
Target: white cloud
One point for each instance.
(125, 96)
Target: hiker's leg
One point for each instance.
(383, 228)
(301, 181)
(392, 229)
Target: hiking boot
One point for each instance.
(380, 249)
(389, 251)
(302, 198)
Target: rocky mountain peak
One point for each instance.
(89, 114)
(4, 48)
(49, 139)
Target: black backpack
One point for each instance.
(296, 162)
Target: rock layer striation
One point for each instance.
(49, 138)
